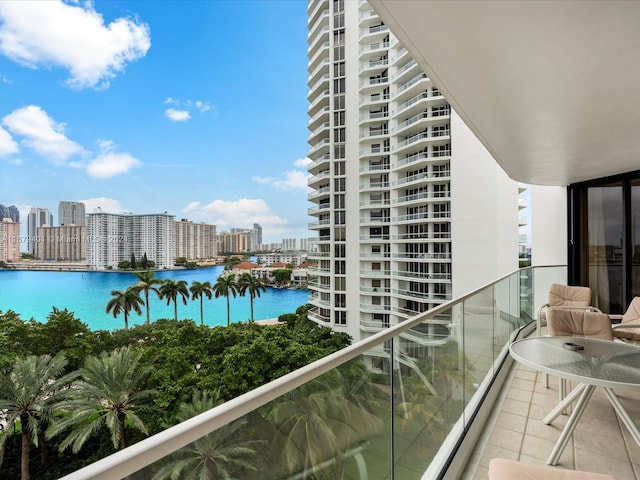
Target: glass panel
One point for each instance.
(605, 247)
(393, 412)
(427, 400)
(335, 426)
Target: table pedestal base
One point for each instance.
(584, 392)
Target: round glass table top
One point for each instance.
(585, 360)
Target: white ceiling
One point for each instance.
(552, 89)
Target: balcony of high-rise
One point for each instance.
(450, 396)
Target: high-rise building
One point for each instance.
(289, 244)
(113, 238)
(9, 240)
(66, 242)
(237, 241)
(71, 213)
(9, 212)
(257, 234)
(38, 217)
(195, 241)
(401, 186)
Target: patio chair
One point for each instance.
(564, 296)
(628, 328)
(504, 469)
(565, 322)
(562, 322)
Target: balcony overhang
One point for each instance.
(552, 89)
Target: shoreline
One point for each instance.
(83, 267)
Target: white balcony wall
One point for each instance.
(484, 213)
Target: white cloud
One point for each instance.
(42, 134)
(193, 206)
(7, 145)
(183, 109)
(292, 179)
(263, 180)
(177, 115)
(106, 205)
(202, 106)
(42, 34)
(239, 213)
(109, 164)
(302, 162)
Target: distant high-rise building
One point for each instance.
(195, 241)
(9, 240)
(66, 242)
(257, 235)
(236, 241)
(71, 213)
(308, 244)
(9, 212)
(113, 238)
(38, 217)
(400, 185)
(289, 244)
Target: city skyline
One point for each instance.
(141, 109)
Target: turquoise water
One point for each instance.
(33, 294)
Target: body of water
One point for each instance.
(33, 294)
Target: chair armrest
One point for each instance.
(590, 308)
(625, 325)
(615, 318)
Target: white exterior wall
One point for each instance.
(484, 214)
(548, 225)
(427, 211)
(112, 238)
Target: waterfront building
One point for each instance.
(71, 213)
(236, 241)
(286, 258)
(401, 192)
(195, 241)
(113, 238)
(11, 212)
(38, 217)
(268, 247)
(9, 240)
(257, 235)
(66, 242)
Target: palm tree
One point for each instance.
(213, 455)
(26, 397)
(124, 302)
(171, 289)
(109, 393)
(249, 283)
(146, 284)
(225, 286)
(200, 290)
(302, 417)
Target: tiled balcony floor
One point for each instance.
(599, 444)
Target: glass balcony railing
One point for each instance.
(402, 403)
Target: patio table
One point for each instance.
(589, 362)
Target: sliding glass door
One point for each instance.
(604, 249)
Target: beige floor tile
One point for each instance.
(481, 473)
(492, 451)
(511, 421)
(522, 395)
(506, 439)
(517, 407)
(541, 448)
(601, 463)
(522, 384)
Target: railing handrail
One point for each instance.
(139, 455)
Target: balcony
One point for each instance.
(459, 380)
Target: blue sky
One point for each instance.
(196, 108)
